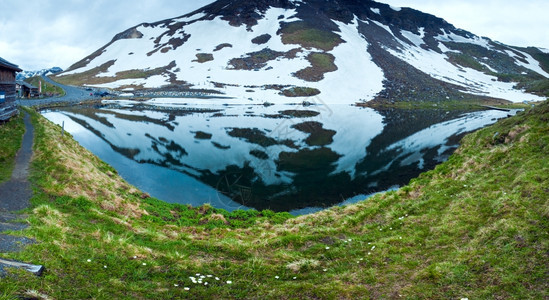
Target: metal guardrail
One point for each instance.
(34, 269)
(7, 112)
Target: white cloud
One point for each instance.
(51, 33)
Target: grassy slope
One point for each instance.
(46, 86)
(476, 227)
(11, 136)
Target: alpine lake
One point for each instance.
(295, 158)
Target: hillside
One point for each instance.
(339, 51)
(474, 227)
(48, 89)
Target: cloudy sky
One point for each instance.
(38, 34)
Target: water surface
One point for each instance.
(280, 157)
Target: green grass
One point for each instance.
(466, 61)
(11, 137)
(307, 36)
(299, 91)
(90, 77)
(204, 57)
(321, 63)
(47, 88)
(474, 227)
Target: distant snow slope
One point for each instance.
(28, 74)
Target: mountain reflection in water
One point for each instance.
(280, 157)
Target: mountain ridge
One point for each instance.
(289, 51)
(44, 72)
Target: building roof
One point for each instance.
(24, 83)
(6, 64)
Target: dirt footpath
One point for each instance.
(15, 195)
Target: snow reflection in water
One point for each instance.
(281, 157)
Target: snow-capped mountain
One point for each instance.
(343, 51)
(28, 74)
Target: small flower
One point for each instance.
(175, 284)
(144, 264)
(325, 270)
(373, 247)
(104, 267)
(135, 257)
(205, 283)
(217, 278)
(186, 288)
(276, 277)
(327, 248)
(295, 278)
(209, 276)
(89, 260)
(197, 274)
(229, 282)
(369, 253)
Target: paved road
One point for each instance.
(72, 94)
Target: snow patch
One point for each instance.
(417, 40)
(531, 64)
(478, 83)
(375, 10)
(445, 49)
(452, 37)
(544, 50)
(190, 18)
(383, 26)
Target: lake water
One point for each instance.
(281, 157)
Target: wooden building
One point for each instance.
(26, 90)
(8, 107)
